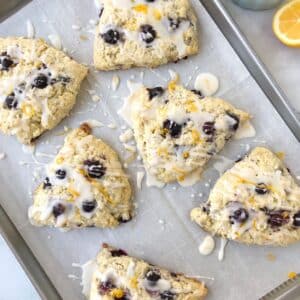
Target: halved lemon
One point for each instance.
(286, 23)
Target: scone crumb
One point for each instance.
(83, 37)
(95, 98)
(105, 245)
(271, 257)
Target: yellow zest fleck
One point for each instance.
(182, 174)
(254, 224)
(157, 14)
(237, 234)
(292, 275)
(134, 282)
(186, 154)
(252, 200)
(141, 8)
(28, 110)
(285, 214)
(179, 170)
(163, 152)
(102, 190)
(82, 172)
(172, 85)
(196, 136)
(59, 160)
(191, 106)
(280, 155)
(38, 64)
(117, 293)
(243, 180)
(163, 111)
(74, 193)
(181, 178)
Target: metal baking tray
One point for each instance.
(239, 43)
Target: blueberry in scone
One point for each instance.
(84, 186)
(177, 131)
(257, 201)
(38, 87)
(144, 33)
(119, 276)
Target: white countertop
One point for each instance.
(284, 64)
(14, 283)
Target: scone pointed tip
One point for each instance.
(86, 128)
(105, 245)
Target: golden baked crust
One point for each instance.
(38, 87)
(85, 186)
(144, 34)
(177, 131)
(118, 274)
(257, 201)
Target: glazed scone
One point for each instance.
(85, 186)
(38, 87)
(119, 276)
(143, 33)
(257, 201)
(177, 131)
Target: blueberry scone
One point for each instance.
(85, 186)
(177, 131)
(257, 201)
(144, 33)
(119, 276)
(38, 87)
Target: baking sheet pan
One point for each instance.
(246, 273)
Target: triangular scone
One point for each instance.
(144, 33)
(257, 201)
(119, 276)
(38, 87)
(85, 186)
(177, 131)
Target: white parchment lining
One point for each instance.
(245, 273)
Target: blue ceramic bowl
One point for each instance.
(257, 4)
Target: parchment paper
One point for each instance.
(246, 273)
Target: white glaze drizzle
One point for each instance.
(221, 252)
(207, 84)
(246, 130)
(149, 16)
(207, 246)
